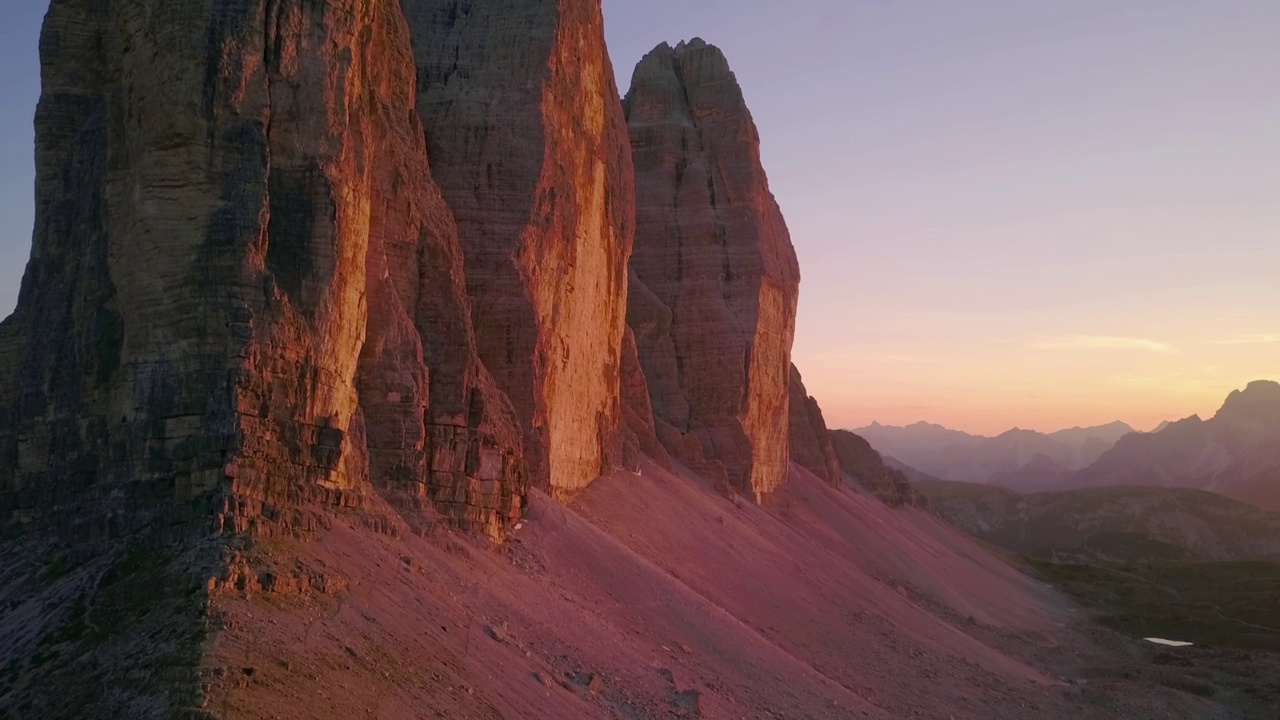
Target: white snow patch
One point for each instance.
(1170, 643)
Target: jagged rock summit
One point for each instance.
(314, 276)
(1255, 410)
(1234, 453)
(263, 363)
(715, 285)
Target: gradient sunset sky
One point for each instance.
(1033, 213)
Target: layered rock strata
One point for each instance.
(527, 139)
(810, 442)
(244, 304)
(243, 276)
(714, 307)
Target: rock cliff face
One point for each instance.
(215, 242)
(244, 304)
(527, 139)
(714, 306)
(639, 431)
(810, 440)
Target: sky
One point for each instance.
(1031, 213)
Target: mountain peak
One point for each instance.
(693, 140)
(1259, 402)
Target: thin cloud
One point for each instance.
(1103, 342)
(1248, 340)
(912, 359)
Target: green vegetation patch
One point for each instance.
(1215, 604)
(1114, 547)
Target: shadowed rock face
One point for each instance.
(230, 202)
(811, 445)
(527, 139)
(866, 467)
(714, 306)
(244, 303)
(639, 434)
(438, 427)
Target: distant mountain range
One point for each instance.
(1235, 453)
(1023, 459)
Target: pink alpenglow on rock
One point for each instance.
(527, 139)
(714, 306)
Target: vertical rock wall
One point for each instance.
(226, 192)
(811, 445)
(527, 140)
(244, 302)
(639, 431)
(439, 431)
(714, 308)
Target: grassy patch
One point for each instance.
(1216, 604)
(1116, 547)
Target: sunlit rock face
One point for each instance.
(245, 291)
(243, 311)
(527, 139)
(714, 307)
